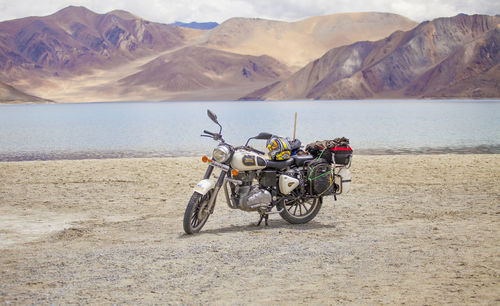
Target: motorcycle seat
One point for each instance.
(300, 160)
(279, 164)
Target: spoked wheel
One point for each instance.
(300, 210)
(195, 217)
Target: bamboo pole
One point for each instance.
(295, 126)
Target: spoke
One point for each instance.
(302, 205)
(295, 209)
(306, 209)
(194, 222)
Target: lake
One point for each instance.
(143, 129)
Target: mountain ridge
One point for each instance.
(12, 95)
(297, 43)
(394, 67)
(77, 55)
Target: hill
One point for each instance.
(297, 43)
(76, 41)
(447, 57)
(194, 69)
(9, 94)
(78, 55)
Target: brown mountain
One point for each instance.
(472, 70)
(297, 43)
(447, 57)
(197, 68)
(75, 40)
(78, 55)
(9, 94)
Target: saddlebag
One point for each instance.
(336, 151)
(320, 178)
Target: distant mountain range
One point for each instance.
(76, 55)
(196, 25)
(446, 58)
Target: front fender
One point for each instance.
(204, 186)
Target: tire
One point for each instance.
(193, 220)
(299, 212)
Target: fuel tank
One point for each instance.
(244, 160)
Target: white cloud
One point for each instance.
(167, 11)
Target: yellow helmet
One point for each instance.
(279, 148)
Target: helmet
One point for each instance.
(279, 148)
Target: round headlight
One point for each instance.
(221, 154)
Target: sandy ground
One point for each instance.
(415, 229)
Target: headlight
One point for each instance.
(222, 153)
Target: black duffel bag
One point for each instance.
(336, 151)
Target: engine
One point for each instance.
(247, 196)
(271, 183)
(254, 199)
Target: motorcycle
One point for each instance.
(293, 188)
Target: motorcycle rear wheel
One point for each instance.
(194, 219)
(298, 211)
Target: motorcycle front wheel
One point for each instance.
(195, 217)
(300, 211)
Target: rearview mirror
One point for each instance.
(212, 116)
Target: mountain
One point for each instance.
(196, 25)
(194, 68)
(473, 70)
(201, 71)
(9, 94)
(297, 43)
(75, 40)
(446, 57)
(81, 56)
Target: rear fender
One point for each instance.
(204, 186)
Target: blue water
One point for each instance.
(95, 130)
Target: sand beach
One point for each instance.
(415, 229)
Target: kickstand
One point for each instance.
(264, 217)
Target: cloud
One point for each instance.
(167, 11)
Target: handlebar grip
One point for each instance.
(208, 132)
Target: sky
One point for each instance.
(168, 11)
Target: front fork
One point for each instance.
(209, 206)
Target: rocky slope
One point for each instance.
(195, 68)
(447, 57)
(297, 43)
(75, 40)
(10, 94)
(78, 55)
(473, 70)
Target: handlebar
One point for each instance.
(215, 136)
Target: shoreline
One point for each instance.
(41, 156)
(439, 99)
(414, 229)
